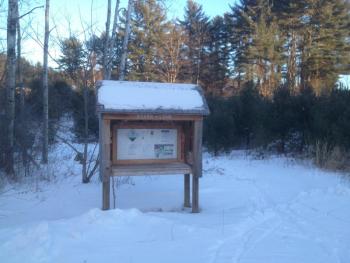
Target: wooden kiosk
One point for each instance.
(149, 128)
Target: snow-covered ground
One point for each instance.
(273, 210)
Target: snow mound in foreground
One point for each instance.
(253, 211)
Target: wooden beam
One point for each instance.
(187, 186)
(105, 161)
(197, 163)
(151, 117)
(150, 169)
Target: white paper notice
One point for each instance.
(142, 144)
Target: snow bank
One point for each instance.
(253, 211)
(99, 236)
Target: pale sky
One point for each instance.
(72, 15)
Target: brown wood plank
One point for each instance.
(150, 169)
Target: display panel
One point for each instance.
(146, 144)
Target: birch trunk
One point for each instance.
(20, 84)
(125, 42)
(111, 44)
(46, 87)
(11, 84)
(19, 66)
(106, 44)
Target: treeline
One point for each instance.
(315, 126)
(269, 68)
(296, 44)
(64, 101)
(271, 43)
(286, 60)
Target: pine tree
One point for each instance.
(195, 24)
(72, 59)
(325, 49)
(298, 43)
(257, 45)
(290, 16)
(215, 71)
(148, 27)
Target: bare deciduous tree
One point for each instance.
(125, 41)
(46, 86)
(169, 54)
(106, 43)
(11, 83)
(111, 42)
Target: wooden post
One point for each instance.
(187, 187)
(106, 194)
(197, 163)
(105, 161)
(195, 194)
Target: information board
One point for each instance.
(143, 144)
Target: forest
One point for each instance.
(270, 71)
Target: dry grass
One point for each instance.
(331, 158)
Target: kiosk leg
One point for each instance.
(187, 189)
(105, 193)
(195, 194)
(105, 158)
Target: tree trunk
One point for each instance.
(111, 44)
(11, 84)
(125, 42)
(46, 87)
(106, 44)
(20, 84)
(86, 131)
(292, 66)
(19, 66)
(85, 178)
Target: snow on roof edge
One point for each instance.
(202, 110)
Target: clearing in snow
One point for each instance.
(273, 210)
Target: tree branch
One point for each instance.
(30, 11)
(69, 144)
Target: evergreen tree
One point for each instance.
(195, 24)
(148, 27)
(215, 72)
(325, 48)
(257, 45)
(72, 58)
(291, 16)
(300, 43)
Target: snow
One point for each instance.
(271, 210)
(131, 95)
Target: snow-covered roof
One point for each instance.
(150, 97)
